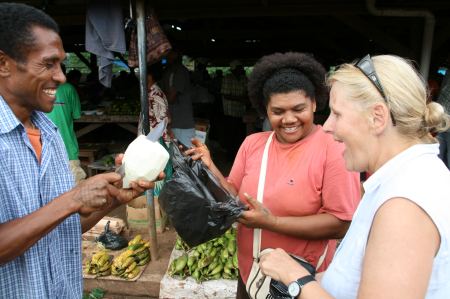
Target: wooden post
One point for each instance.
(142, 58)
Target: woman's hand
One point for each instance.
(200, 151)
(289, 272)
(257, 216)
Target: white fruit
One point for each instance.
(143, 159)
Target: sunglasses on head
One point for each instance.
(365, 65)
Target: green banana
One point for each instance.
(235, 261)
(180, 263)
(134, 247)
(144, 261)
(216, 270)
(142, 255)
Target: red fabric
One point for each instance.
(157, 43)
(305, 178)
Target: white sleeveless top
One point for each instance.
(419, 175)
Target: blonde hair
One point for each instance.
(405, 91)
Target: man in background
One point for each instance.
(176, 84)
(65, 110)
(234, 100)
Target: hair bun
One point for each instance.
(435, 118)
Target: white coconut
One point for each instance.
(143, 159)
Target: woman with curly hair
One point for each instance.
(309, 196)
(398, 243)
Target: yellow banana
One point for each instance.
(136, 240)
(104, 259)
(133, 273)
(127, 262)
(131, 267)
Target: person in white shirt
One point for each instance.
(398, 244)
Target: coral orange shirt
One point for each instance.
(304, 178)
(35, 139)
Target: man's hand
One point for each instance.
(136, 188)
(94, 193)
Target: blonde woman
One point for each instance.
(398, 244)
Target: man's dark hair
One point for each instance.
(16, 24)
(155, 70)
(287, 72)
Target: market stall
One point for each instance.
(93, 122)
(147, 285)
(208, 270)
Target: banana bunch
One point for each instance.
(137, 254)
(214, 259)
(181, 245)
(99, 264)
(141, 249)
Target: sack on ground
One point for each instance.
(262, 286)
(195, 202)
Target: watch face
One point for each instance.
(293, 289)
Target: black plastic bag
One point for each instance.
(197, 205)
(111, 240)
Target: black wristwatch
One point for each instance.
(295, 287)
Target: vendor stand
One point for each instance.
(173, 287)
(208, 270)
(93, 122)
(147, 285)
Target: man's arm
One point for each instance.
(18, 235)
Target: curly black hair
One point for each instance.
(16, 22)
(286, 72)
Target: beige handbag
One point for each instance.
(258, 284)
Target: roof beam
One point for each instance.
(372, 32)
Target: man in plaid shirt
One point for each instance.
(42, 214)
(234, 100)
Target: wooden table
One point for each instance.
(93, 122)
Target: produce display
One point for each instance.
(137, 254)
(108, 160)
(99, 264)
(126, 265)
(212, 260)
(124, 108)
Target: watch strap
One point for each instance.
(304, 280)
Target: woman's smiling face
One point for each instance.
(291, 115)
(348, 124)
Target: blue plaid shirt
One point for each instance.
(51, 268)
